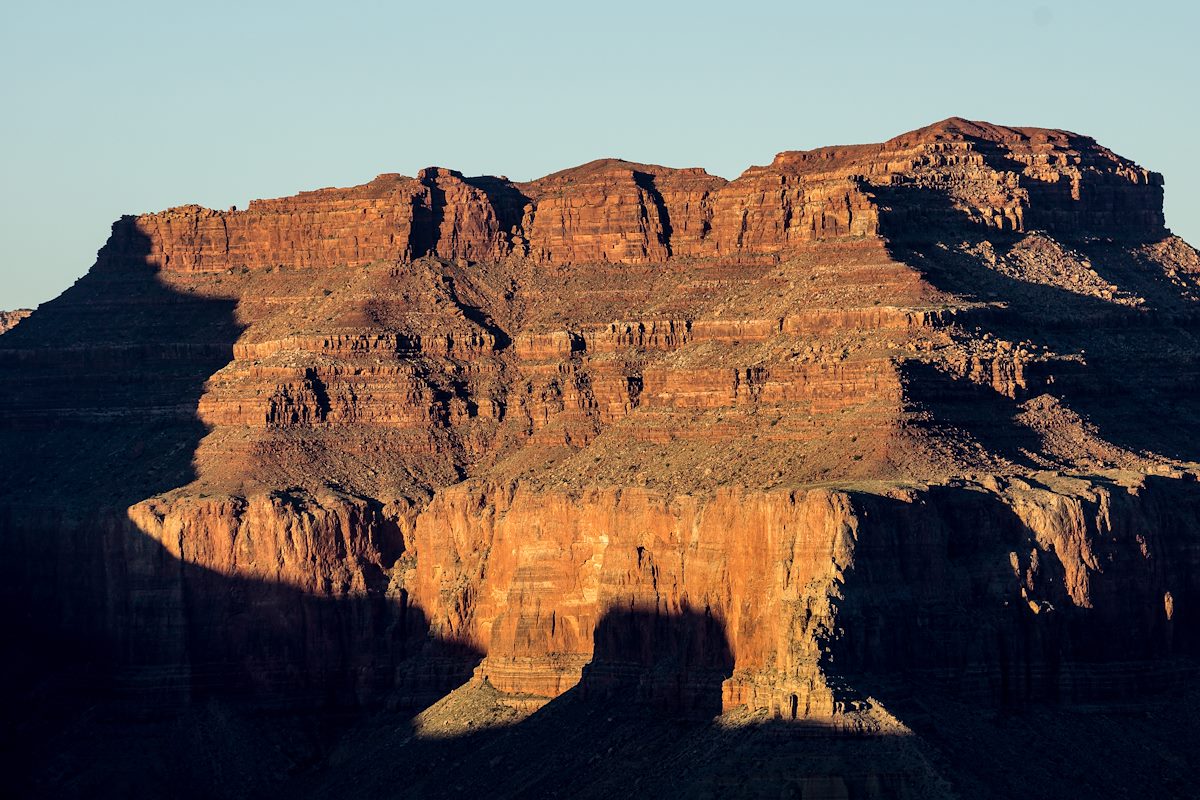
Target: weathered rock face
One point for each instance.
(870, 418)
(813, 589)
(612, 211)
(9, 319)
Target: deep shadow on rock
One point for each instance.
(1128, 379)
(1009, 702)
(967, 612)
(640, 722)
(131, 672)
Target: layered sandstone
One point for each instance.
(800, 445)
(612, 211)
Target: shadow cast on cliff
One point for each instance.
(952, 617)
(131, 672)
(137, 674)
(960, 411)
(508, 201)
(959, 622)
(1054, 204)
(642, 721)
(1126, 381)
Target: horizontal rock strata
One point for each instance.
(864, 419)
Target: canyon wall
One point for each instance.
(1006, 595)
(867, 418)
(612, 211)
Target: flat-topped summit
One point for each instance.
(898, 438)
(615, 211)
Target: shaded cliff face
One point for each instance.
(863, 429)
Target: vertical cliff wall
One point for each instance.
(865, 423)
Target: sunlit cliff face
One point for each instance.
(911, 414)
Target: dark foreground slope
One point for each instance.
(871, 473)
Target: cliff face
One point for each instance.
(612, 211)
(870, 418)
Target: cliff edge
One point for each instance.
(812, 452)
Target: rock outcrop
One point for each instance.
(617, 212)
(866, 423)
(9, 319)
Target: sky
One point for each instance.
(128, 107)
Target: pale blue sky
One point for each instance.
(127, 107)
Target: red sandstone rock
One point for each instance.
(9, 319)
(829, 407)
(613, 211)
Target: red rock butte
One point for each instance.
(866, 423)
